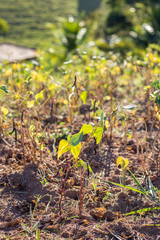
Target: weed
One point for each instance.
(150, 193)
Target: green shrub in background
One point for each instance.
(67, 38)
(74, 33)
(4, 28)
(131, 24)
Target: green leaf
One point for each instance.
(137, 182)
(128, 187)
(98, 134)
(94, 184)
(30, 104)
(142, 210)
(39, 96)
(86, 129)
(157, 100)
(63, 147)
(4, 88)
(90, 169)
(75, 139)
(75, 150)
(156, 84)
(82, 162)
(83, 96)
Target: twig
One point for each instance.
(117, 237)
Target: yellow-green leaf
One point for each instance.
(86, 129)
(4, 111)
(63, 147)
(39, 95)
(83, 96)
(123, 162)
(98, 134)
(107, 124)
(75, 150)
(30, 104)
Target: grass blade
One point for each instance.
(137, 182)
(141, 211)
(128, 187)
(151, 189)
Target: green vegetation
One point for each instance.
(3, 27)
(80, 128)
(60, 120)
(132, 25)
(28, 19)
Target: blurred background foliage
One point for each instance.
(64, 28)
(4, 28)
(132, 24)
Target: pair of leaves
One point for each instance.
(123, 162)
(97, 133)
(73, 144)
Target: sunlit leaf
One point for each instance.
(86, 129)
(98, 134)
(106, 124)
(4, 111)
(75, 150)
(30, 104)
(81, 162)
(63, 147)
(90, 169)
(75, 139)
(123, 162)
(39, 96)
(142, 211)
(83, 96)
(151, 57)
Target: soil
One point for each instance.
(31, 186)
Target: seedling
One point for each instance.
(123, 162)
(73, 145)
(151, 193)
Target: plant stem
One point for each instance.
(81, 194)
